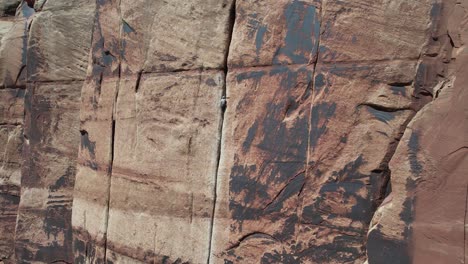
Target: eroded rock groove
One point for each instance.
(223, 105)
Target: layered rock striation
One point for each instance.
(233, 131)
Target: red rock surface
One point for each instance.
(41, 67)
(11, 140)
(424, 219)
(233, 131)
(12, 94)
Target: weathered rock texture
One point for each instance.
(424, 218)
(44, 53)
(150, 116)
(233, 131)
(11, 138)
(307, 141)
(12, 92)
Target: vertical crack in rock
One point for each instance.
(112, 136)
(109, 186)
(223, 105)
(137, 85)
(314, 72)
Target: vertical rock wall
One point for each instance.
(307, 140)
(11, 139)
(12, 92)
(424, 218)
(150, 120)
(233, 131)
(43, 57)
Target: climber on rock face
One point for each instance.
(223, 103)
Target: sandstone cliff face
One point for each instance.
(12, 94)
(43, 58)
(233, 131)
(426, 212)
